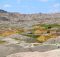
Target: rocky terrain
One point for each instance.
(28, 32)
(53, 53)
(25, 20)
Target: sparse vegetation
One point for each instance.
(40, 31)
(2, 42)
(16, 39)
(43, 32)
(21, 32)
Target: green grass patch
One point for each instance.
(16, 39)
(49, 25)
(2, 42)
(31, 35)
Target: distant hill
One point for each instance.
(27, 20)
(3, 11)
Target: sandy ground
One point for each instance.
(53, 53)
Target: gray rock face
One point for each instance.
(53, 53)
(53, 41)
(10, 49)
(3, 19)
(44, 48)
(22, 38)
(5, 51)
(13, 48)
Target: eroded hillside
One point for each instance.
(39, 26)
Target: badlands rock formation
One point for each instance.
(9, 20)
